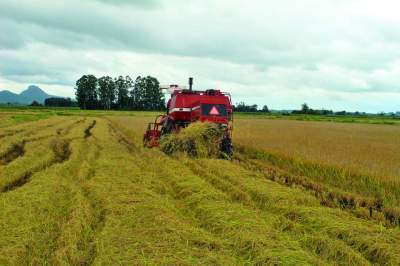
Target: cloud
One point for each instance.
(265, 52)
(136, 3)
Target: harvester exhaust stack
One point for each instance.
(190, 84)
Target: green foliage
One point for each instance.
(122, 86)
(265, 109)
(36, 103)
(146, 94)
(106, 92)
(59, 102)
(242, 107)
(29, 117)
(121, 93)
(86, 92)
(362, 119)
(305, 108)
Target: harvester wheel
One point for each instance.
(226, 146)
(167, 127)
(145, 142)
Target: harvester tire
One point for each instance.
(167, 127)
(226, 146)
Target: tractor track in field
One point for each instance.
(25, 178)
(7, 134)
(85, 216)
(97, 225)
(229, 190)
(233, 192)
(351, 245)
(122, 139)
(29, 135)
(16, 150)
(135, 151)
(88, 132)
(240, 196)
(327, 197)
(98, 211)
(27, 131)
(249, 200)
(331, 199)
(95, 210)
(59, 147)
(61, 153)
(67, 129)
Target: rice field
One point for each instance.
(82, 190)
(366, 148)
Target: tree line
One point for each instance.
(120, 93)
(306, 110)
(242, 107)
(59, 102)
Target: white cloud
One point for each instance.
(333, 54)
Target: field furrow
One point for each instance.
(51, 128)
(29, 128)
(41, 208)
(369, 204)
(9, 132)
(284, 203)
(13, 153)
(75, 244)
(346, 232)
(251, 199)
(253, 239)
(37, 154)
(142, 226)
(84, 191)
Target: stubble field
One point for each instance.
(81, 190)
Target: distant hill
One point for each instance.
(32, 93)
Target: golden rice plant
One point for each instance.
(200, 140)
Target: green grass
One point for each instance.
(69, 111)
(28, 118)
(363, 119)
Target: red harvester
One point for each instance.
(187, 106)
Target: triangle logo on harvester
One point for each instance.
(214, 111)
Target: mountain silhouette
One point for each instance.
(32, 93)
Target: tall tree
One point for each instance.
(129, 84)
(147, 94)
(242, 107)
(122, 92)
(304, 108)
(106, 92)
(156, 100)
(265, 109)
(59, 102)
(86, 92)
(138, 93)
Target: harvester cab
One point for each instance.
(187, 106)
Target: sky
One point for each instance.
(331, 54)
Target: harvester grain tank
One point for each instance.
(187, 106)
